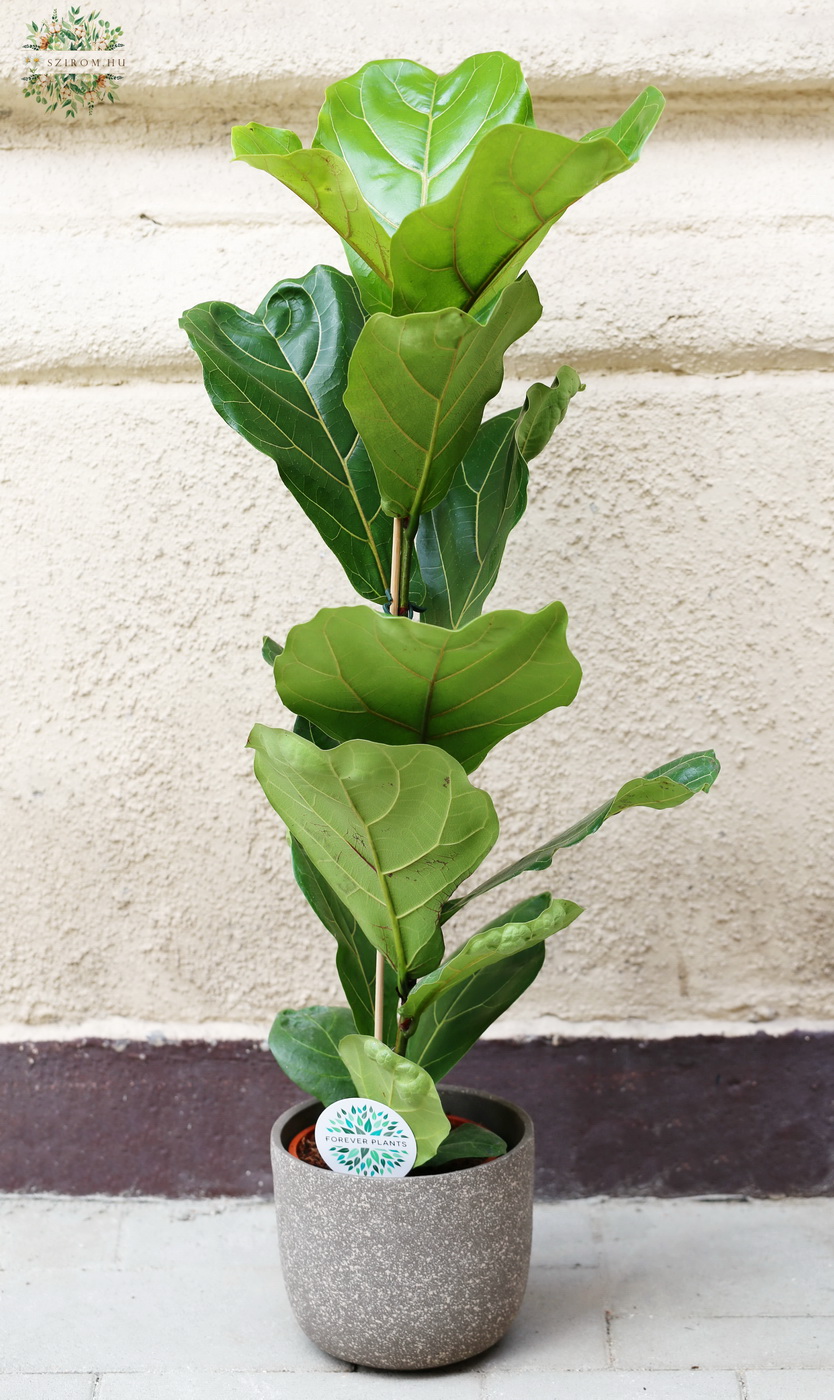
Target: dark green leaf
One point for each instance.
(270, 650)
(451, 1025)
(277, 377)
(460, 544)
(417, 387)
(667, 786)
(306, 1046)
(359, 674)
(355, 957)
(313, 734)
(468, 1140)
(392, 830)
(461, 249)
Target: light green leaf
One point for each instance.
(306, 1046)
(417, 387)
(544, 408)
(406, 133)
(323, 181)
(382, 1075)
(355, 957)
(667, 786)
(277, 377)
(460, 544)
(451, 1025)
(392, 830)
(482, 949)
(359, 674)
(632, 130)
(461, 249)
(468, 1140)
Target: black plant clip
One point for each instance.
(409, 612)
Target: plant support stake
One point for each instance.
(379, 970)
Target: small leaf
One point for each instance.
(632, 130)
(270, 650)
(324, 181)
(468, 1140)
(306, 1046)
(386, 1077)
(489, 946)
(417, 387)
(452, 1024)
(544, 408)
(313, 734)
(359, 674)
(667, 786)
(392, 830)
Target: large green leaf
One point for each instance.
(359, 674)
(386, 1077)
(355, 957)
(461, 249)
(392, 830)
(306, 1046)
(451, 1025)
(324, 181)
(406, 133)
(277, 377)
(667, 786)
(460, 544)
(417, 387)
(482, 949)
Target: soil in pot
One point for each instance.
(303, 1146)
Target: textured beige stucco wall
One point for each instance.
(683, 513)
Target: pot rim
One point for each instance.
(415, 1181)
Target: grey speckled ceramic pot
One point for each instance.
(410, 1272)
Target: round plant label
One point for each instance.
(364, 1138)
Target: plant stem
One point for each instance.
(408, 532)
(396, 566)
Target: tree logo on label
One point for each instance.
(71, 62)
(360, 1137)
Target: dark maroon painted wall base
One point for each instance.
(749, 1115)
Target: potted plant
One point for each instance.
(369, 391)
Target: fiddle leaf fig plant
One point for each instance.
(368, 390)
